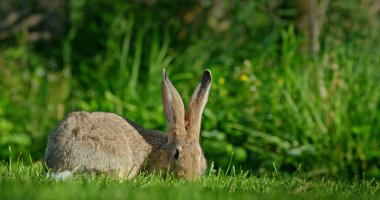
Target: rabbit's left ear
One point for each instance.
(173, 107)
(197, 103)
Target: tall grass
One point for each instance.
(270, 105)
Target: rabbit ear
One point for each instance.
(173, 107)
(197, 103)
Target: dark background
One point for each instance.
(295, 83)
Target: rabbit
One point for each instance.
(101, 142)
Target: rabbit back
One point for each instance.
(95, 142)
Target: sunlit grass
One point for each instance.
(21, 181)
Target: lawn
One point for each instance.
(21, 181)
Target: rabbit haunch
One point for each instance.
(107, 143)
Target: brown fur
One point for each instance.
(106, 142)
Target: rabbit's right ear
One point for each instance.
(197, 103)
(173, 107)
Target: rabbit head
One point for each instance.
(182, 154)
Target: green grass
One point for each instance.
(19, 181)
(269, 105)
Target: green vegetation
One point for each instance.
(29, 182)
(271, 103)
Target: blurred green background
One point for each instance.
(295, 83)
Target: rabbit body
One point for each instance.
(107, 143)
(101, 142)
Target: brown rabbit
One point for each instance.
(106, 142)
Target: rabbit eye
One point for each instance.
(176, 154)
